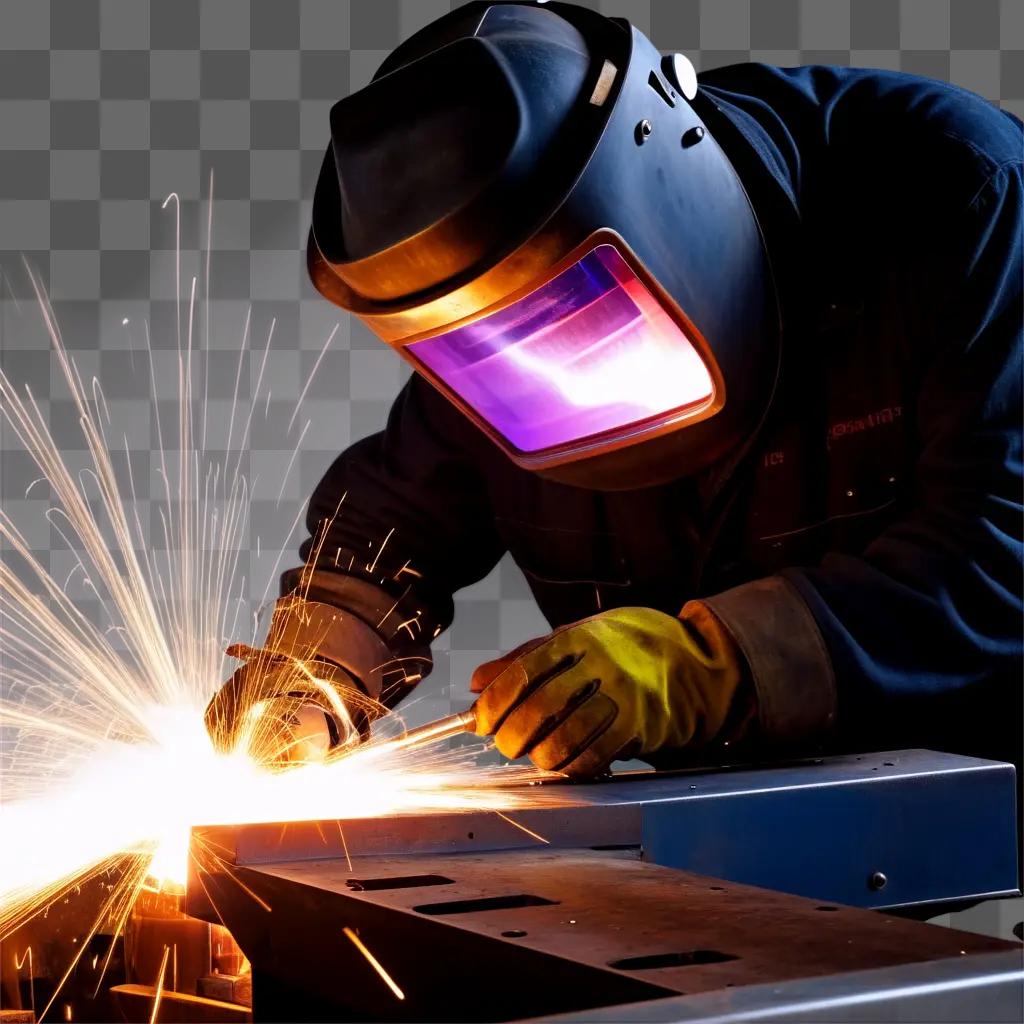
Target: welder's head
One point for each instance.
(526, 205)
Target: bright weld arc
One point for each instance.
(374, 962)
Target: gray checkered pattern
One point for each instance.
(106, 106)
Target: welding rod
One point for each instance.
(434, 732)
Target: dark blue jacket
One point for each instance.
(866, 551)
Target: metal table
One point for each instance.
(476, 920)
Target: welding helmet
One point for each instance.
(525, 203)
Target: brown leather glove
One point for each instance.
(625, 683)
(282, 709)
(311, 688)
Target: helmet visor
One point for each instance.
(588, 358)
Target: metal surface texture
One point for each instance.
(983, 989)
(824, 828)
(510, 934)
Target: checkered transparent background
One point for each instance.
(106, 106)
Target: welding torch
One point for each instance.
(434, 732)
(311, 738)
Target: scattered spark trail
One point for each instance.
(523, 828)
(19, 963)
(374, 962)
(159, 994)
(107, 663)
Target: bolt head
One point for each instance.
(692, 136)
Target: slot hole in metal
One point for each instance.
(513, 902)
(396, 882)
(656, 961)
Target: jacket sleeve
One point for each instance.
(918, 640)
(399, 522)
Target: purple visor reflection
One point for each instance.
(590, 352)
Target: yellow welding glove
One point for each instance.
(629, 682)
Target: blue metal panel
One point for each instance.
(938, 826)
(933, 834)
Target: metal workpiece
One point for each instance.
(827, 828)
(509, 934)
(564, 904)
(987, 987)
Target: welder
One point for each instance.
(731, 366)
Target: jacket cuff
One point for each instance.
(308, 629)
(792, 672)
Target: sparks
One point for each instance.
(374, 963)
(159, 990)
(108, 660)
(523, 828)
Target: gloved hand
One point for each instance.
(284, 709)
(311, 688)
(621, 684)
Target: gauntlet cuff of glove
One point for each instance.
(791, 669)
(307, 630)
(404, 623)
(403, 616)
